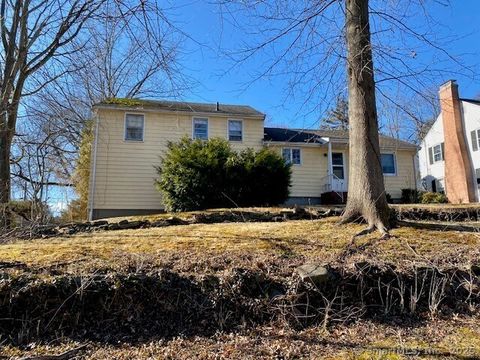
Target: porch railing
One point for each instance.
(334, 183)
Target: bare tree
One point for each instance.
(310, 43)
(46, 53)
(366, 190)
(33, 33)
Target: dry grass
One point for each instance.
(437, 207)
(364, 340)
(207, 247)
(311, 240)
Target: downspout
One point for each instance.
(415, 180)
(94, 170)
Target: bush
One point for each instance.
(197, 174)
(411, 196)
(433, 198)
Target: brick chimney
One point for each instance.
(458, 167)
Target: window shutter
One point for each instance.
(474, 140)
(430, 155)
(443, 150)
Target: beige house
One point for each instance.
(131, 135)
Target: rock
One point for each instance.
(131, 224)
(315, 273)
(99, 223)
(113, 226)
(159, 223)
(173, 220)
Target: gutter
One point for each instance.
(290, 143)
(94, 170)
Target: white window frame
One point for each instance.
(442, 155)
(343, 164)
(478, 137)
(394, 163)
(125, 127)
(291, 155)
(193, 126)
(228, 130)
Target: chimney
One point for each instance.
(218, 106)
(458, 167)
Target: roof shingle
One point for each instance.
(181, 106)
(315, 136)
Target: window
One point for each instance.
(134, 127)
(337, 165)
(436, 153)
(235, 130)
(475, 134)
(388, 164)
(200, 128)
(292, 156)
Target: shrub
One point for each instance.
(433, 198)
(410, 196)
(197, 174)
(258, 178)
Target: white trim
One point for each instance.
(125, 127)
(94, 170)
(343, 163)
(228, 130)
(394, 162)
(193, 126)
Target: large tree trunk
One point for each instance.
(366, 189)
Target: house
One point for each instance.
(449, 156)
(130, 136)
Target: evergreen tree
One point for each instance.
(337, 118)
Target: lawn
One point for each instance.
(194, 253)
(318, 240)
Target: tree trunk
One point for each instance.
(5, 146)
(366, 189)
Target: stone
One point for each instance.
(315, 273)
(99, 223)
(173, 220)
(160, 223)
(131, 224)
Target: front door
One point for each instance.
(339, 183)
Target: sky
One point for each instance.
(215, 81)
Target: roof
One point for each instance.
(473, 101)
(291, 135)
(315, 136)
(180, 106)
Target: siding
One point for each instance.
(308, 178)
(125, 170)
(405, 177)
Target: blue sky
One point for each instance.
(215, 82)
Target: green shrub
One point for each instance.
(433, 198)
(411, 196)
(197, 174)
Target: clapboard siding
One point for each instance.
(125, 170)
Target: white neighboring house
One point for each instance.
(460, 144)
